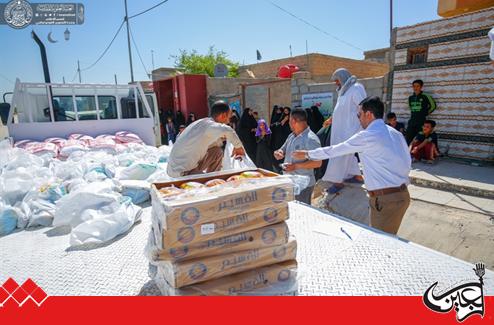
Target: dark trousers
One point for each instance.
(412, 130)
(306, 195)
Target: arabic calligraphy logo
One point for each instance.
(268, 236)
(18, 13)
(197, 271)
(467, 299)
(185, 235)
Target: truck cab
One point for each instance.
(43, 110)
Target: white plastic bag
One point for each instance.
(231, 163)
(137, 171)
(15, 184)
(8, 219)
(39, 205)
(95, 196)
(138, 191)
(6, 152)
(71, 146)
(102, 225)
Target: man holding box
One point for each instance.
(386, 164)
(199, 147)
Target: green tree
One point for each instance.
(193, 62)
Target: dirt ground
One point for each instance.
(464, 234)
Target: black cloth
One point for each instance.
(285, 131)
(317, 119)
(275, 129)
(246, 135)
(180, 119)
(411, 132)
(169, 113)
(421, 137)
(190, 121)
(324, 136)
(400, 127)
(310, 118)
(264, 153)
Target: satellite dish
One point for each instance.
(50, 39)
(220, 70)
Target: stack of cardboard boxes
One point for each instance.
(232, 240)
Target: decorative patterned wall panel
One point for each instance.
(459, 77)
(464, 48)
(401, 57)
(483, 91)
(468, 22)
(456, 73)
(467, 149)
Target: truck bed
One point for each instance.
(336, 257)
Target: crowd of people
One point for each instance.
(261, 137)
(173, 124)
(356, 144)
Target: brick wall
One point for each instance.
(320, 66)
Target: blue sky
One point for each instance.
(238, 27)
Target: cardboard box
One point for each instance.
(180, 274)
(273, 235)
(190, 235)
(272, 280)
(222, 202)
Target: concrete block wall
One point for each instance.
(373, 86)
(320, 66)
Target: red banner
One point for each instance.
(232, 310)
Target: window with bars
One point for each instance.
(417, 55)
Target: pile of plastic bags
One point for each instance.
(90, 184)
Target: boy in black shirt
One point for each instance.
(424, 145)
(391, 121)
(421, 105)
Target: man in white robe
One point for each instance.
(345, 124)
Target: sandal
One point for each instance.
(353, 180)
(334, 189)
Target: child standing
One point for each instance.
(170, 129)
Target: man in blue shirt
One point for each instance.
(301, 138)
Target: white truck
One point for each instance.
(43, 110)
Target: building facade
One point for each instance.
(451, 56)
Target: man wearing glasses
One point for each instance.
(386, 164)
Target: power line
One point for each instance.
(107, 48)
(138, 52)
(115, 36)
(8, 79)
(314, 26)
(149, 9)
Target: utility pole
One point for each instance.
(63, 78)
(307, 52)
(290, 50)
(128, 43)
(115, 75)
(390, 22)
(79, 71)
(389, 87)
